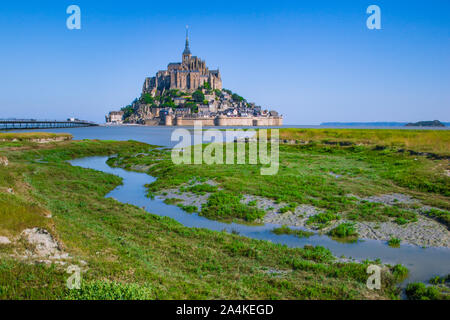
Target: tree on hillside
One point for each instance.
(198, 96)
(236, 97)
(168, 104)
(207, 86)
(147, 98)
(174, 93)
(192, 105)
(127, 111)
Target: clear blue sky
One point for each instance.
(314, 61)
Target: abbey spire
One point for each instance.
(187, 51)
(188, 75)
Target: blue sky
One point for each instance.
(314, 61)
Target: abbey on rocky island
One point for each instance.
(188, 75)
(188, 93)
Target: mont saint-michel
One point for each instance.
(187, 92)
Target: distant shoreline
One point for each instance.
(372, 124)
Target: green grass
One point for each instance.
(420, 291)
(440, 280)
(323, 219)
(172, 201)
(371, 211)
(200, 189)
(438, 289)
(226, 206)
(26, 136)
(110, 290)
(394, 242)
(133, 254)
(344, 230)
(188, 209)
(289, 208)
(20, 280)
(16, 215)
(400, 272)
(296, 232)
(436, 141)
(439, 215)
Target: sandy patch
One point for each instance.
(187, 198)
(391, 199)
(425, 232)
(43, 245)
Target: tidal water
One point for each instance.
(161, 135)
(158, 135)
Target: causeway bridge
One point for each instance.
(15, 124)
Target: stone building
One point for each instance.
(115, 117)
(188, 75)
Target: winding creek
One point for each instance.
(423, 263)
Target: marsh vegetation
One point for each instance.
(127, 253)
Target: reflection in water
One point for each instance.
(422, 263)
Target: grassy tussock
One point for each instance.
(394, 242)
(225, 206)
(110, 290)
(344, 230)
(420, 291)
(440, 215)
(296, 232)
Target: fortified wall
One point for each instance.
(223, 121)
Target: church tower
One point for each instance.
(187, 52)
